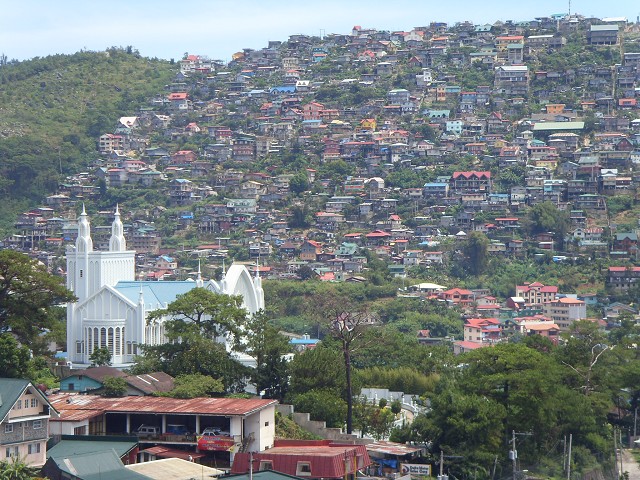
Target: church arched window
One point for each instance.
(110, 340)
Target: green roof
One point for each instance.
(96, 466)
(547, 126)
(10, 391)
(72, 445)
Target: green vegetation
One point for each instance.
(55, 108)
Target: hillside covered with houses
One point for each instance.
(470, 165)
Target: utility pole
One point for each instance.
(615, 451)
(569, 457)
(514, 454)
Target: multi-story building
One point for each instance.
(469, 182)
(512, 79)
(24, 421)
(603, 34)
(536, 293)
(623, 278)
(564, 311)
(110, 142)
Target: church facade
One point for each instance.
(112, 307)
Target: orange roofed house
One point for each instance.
(457, 296)
(564, 311)
(482, 330)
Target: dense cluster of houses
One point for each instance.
(407, 112)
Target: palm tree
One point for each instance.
(17, 469)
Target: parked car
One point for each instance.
(214, 439)
(147, 430)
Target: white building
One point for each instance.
(112, 307)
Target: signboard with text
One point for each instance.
(415, 469)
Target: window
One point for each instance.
(8, 428)
(34, 402)
(12, 452)
(33, 448)
(303, 469)
(71, 387)
(37, 424)
(266, 465)
(18, 405)
(80, 430)
(266, 424)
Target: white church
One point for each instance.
(112, 306)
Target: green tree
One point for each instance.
(17, 469)
(475, 252)
(317, 369)
(100, 356)
(188, 352)
(28, 293)
(14, 358)
(269, 347)
(299, 183)
(114, 386)
(322, 405)
(206, 313)
(194, 386)
(545, 217)
(299, 217)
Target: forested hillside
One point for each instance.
(53, 109)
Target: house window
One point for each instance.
(80, 430)
(12, 452)
(266, 424)
(33, 448)
(266, 465)
(34, 403)
(71, 387)
(303, 469)
(8, 428)
(37, 424)
(78, 347)
(18, 405)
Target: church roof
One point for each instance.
(155, 294)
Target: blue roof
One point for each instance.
(435, 184)
(155, 294)
(304, 341)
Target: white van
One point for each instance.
(147, 430)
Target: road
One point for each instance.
(629, 464)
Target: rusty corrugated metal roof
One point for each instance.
(73, 405)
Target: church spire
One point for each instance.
(84, 243)
(199, 281)
(117, 243)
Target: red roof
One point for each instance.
(160, 405)
(325, 458)
(466, 345)
(377, 234)
(166, 452)
(623, 269)
(177, 96)
(458, 291)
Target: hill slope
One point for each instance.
(53, 109)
